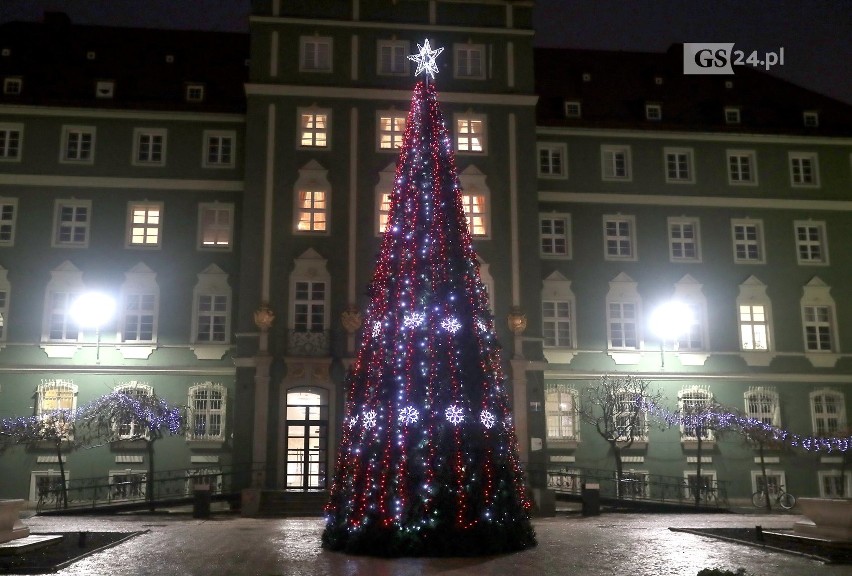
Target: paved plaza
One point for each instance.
(610, 544)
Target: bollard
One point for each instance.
(81, 539)
(758, 533)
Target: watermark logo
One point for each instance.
(720, 58)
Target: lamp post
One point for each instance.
(93, 310)
(669, 321)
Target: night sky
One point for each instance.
(816, 34)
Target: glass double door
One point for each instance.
(306, 431)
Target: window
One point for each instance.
(653, 112)
(552, 160)
(811, 244)
(207, 412)
(78, 144)
(556, 320)
(694, 401)
(804, 169)
(312, 211)
(684, 242)
(11, 136)
(391, 129)
(149, 147)
(742, 167)
(194, 93)
(621, 321)
(71, 223)
(383, 192)
(393, 57)
(753, 328)
(12, 86)
(5, 288)
(616, 163)
(732, 115)
(629, 423)
(707, 485)
(693, 339)
(219, 148)
(619, 238)
(315, 54)
(469, 61)
(470, 133)
(55, 395)
(46, 488)
(104, 89)
(215, 226)
(140, 301)
(66, 284)
(828, 412)
(561, 406)
(810, 119)
(211, 478)
(131, 428)
(62, 327)
(127, 484)
(314, 128)
(817, 322)
(384, 212)
(679, 165)
(144, 225)
(555, 235)
(762, 404)
(834, 483)
(573, 109)
(212, 307)
(310, 306)
(476, 211)
(8, 219)
(754, 323)
(748, 241)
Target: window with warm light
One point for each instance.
(561, 406)
(477, 213)
(391, 130)
(314, 128)
(312, 211)
(55, 395)
(215, 226)
(470, 133)
(384, 211)
(144, 224)
(753, 328)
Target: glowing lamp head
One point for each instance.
(92, 309)
(671, 320)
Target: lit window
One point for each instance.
(314, 128)
(754, 328)
(393, 57)
(78, 144)
(219, 148)
(561, 407)
(470, 133)
(144, 225)
(555, 235)
(132, 428)
(748, 241)
(804, 169)
(391, 129)
(679, 165)
(10, 142)
(312, 213)
(742, 167)
(55, 401)
(828, 412)
(552, 160)
(619, 238)
(71, 223)
(8, 219)
(684, 243)
(477, 212)
(149, 147)
(811, 244)
(309, 307)
(556, 319)
(762, 404)
(616, 163)
(207, 412)
(693, 401)
(215, 225)
(384, 212)
(470, 61)
(314, 54)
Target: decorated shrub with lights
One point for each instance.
(428, 461)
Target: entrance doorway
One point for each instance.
(306, 432)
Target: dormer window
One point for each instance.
(658, 80)
(732, 115)
(6, 52)
(729, 84)
(811, 119)
(170, 58)
(12, 86)
(653, 112)
(587, 77)
(105, 89)
(573, 109)
(91, 55)
(195, 93)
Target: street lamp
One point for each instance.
(93, 310)
(669, 321)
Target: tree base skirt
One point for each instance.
(441, 541)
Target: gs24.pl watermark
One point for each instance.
(720, 58)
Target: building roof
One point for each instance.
(60, 64)
(614, 87)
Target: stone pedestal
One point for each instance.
(827, 518)
(11, 526)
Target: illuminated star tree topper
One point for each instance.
(425, 60)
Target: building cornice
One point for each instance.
(161, 115)
(695, 201)
(774, 377)
(737, 138)
(350, 93)
(314, 23)
(112, 182)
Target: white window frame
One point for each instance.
(763, 404)
(8, 221)
(50, 473)
(619, 238)
(390, 130)
(746, 241)
(557, 317)
(819, 319)
(654, 112)
(214, 154)
(144, 225)
(138, 290)
(627, 400)
(776, 479)
(59, 224)
(65, 280)
(463, 68)
(310, 54)
(13, 85)
(549, 240)
(466, 141)
(310, 314)
(836, 474)
(796, 161)
(476, 200)
(811, 251)
(212, 287)
(696, 337)
(195, 92)
(617, 314)
(810, 119)
(209, 412)
(678, 155)
(104, 89)
(562, 414)
(545, 165)
(79, 155)
(694, 397)
(310, 136)
(753, 325)
(313, 179)
(66, 396)
(383, 194)
(736, 167)
(210, 477)
(688, 483)
(732, 115)
(573, 109)
(137, 487)
(839, 402)
(398, 51)
(678, 228)
(11, 141)
(134, 390)
(215, 235)
(610, 154)
(149, 148)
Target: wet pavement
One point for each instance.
(610, 544)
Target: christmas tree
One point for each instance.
(428, 461)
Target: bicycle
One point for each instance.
(783, 498)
